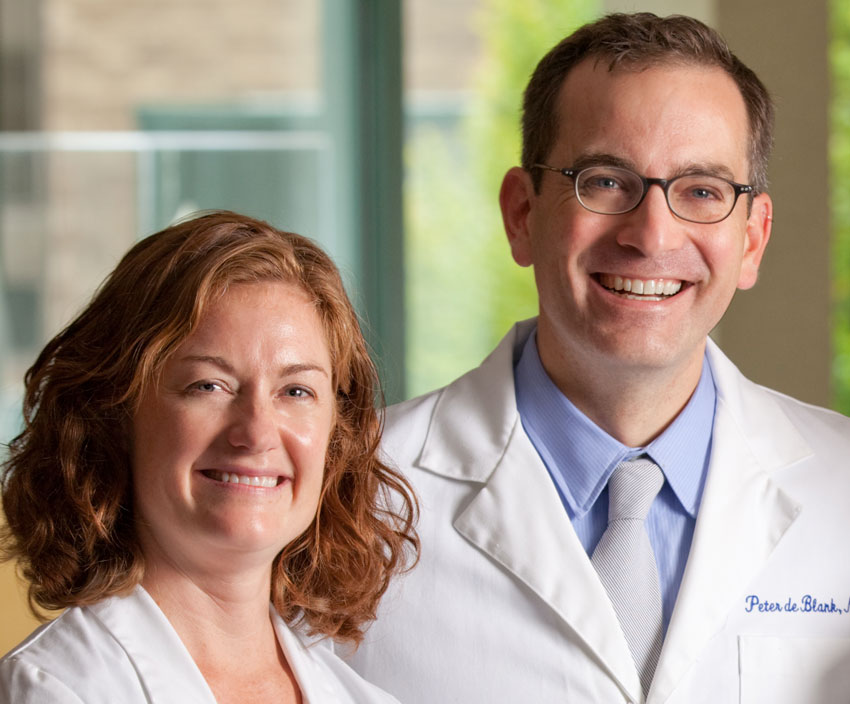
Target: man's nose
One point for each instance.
(254, 426)
(652, 228)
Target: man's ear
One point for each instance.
(759, 226)
(515, 199)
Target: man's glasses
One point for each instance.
(611, 190)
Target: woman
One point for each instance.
(200, 440)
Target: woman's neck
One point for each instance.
(226, 625)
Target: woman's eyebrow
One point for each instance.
(220, 362)
(223, 364)
(302, 367)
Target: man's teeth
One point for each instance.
(267, 482)
(641, 287)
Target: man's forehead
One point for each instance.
(693, 113)
(597, 72)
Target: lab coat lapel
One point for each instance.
(516, 517)
(743, 516)
(518, 520)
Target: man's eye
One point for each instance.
(603, 182)
(703, 193)
(701, 188)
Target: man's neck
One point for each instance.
(633, 405)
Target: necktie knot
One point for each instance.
(632, 488)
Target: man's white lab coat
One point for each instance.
(506, 607)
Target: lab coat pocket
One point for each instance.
(793, 670)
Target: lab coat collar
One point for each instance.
(164, 664)
(166, 667)
(463, 442)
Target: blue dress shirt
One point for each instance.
(580, 457)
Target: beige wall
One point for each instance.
(15, 619)
(779, 333)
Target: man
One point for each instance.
(641, 205)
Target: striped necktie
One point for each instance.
(625, 562)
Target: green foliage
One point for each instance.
(463, 289)
(840, 198)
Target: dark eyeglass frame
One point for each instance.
(664, 183)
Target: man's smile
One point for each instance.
(640, 289)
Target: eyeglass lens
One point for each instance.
(611, 190)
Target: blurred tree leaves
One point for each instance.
(463, 289)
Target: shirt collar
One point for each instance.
(580, 455)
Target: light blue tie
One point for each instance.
(625, 562)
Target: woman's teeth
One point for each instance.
(267, 482)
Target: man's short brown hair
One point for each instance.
(637, 41)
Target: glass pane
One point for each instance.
(115, 118)
(466, 65)
(102, 61)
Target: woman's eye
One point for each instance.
(204, 386)
(298, 392)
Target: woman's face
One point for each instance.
(229, 448)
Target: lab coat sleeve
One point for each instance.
(24, 683)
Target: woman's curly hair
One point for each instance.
(67, 488)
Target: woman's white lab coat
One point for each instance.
(123, 649)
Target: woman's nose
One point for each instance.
(254, 427)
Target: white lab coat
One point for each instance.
(124, 650)
(505, 605)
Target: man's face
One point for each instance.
(660, 122)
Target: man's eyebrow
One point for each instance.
(706, 168)
(697, 167)
(602, 159)
(224, 365)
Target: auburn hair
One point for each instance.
(67, 486)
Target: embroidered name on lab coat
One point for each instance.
(807, 604)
